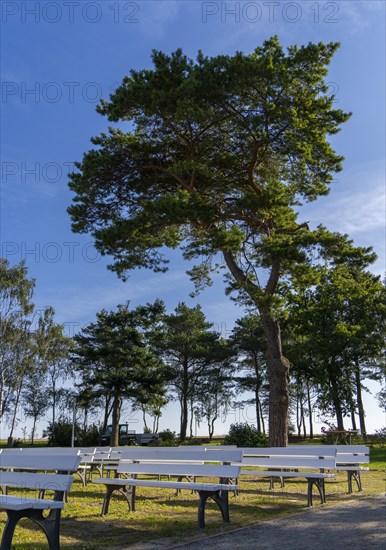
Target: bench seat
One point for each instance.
(8, 502)
(275, 473)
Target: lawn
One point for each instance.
(163, 516)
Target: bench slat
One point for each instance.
(36, 461)
(182, 455)
(183, 469)
(290, 462)
(275, 473)
(168, 484)
(24, 480)
(8, 502)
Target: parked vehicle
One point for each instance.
(128, 437)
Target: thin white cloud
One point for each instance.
(362, 212)
(360, 208)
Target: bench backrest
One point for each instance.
(320, 451)
(183, 456)
(34, 461)
(51, 450)
(301, 462)
(346, 454)
(40, 461)
(208, 447)
(99, 456)
(352, 458)
(179, 469)
(361, 449)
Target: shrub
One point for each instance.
(167, 439)
(90, 436)
(245, 435)
(60, 435)
(379, 436)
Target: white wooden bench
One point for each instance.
(192, 468)
(349, 458)
(22, 506)
(283, 466)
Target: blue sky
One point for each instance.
(59, 58)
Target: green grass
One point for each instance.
(378, 457)
(162, 515)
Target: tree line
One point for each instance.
(147, 357)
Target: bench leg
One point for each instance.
(127, 492)
(82, 475)
(272, 482)
(220, 498)
(9, 529)
(319, 484)
(50, 525)
(353, 475)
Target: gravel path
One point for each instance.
(354, 525)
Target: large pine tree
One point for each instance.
(214, 156)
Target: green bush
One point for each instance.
(245, 435)
(90, 436)
(60, 435)
(379, 436)
(167, 439)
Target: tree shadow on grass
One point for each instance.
(83, 534)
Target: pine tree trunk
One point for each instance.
(336, 403)
(361, 409)
(262, 418)
(310, 411)
(53, 404)
(145, 427)
(2, 400)
(277, 365)
(257, 391)
(191, 419)
(184, 418)
(184, 403)
(352, 413)
(303, 421)
(278, 376)
(33, 431)
(106, 412)
(298, 415)
(85, 420)
(114, 441)
(258, 422)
